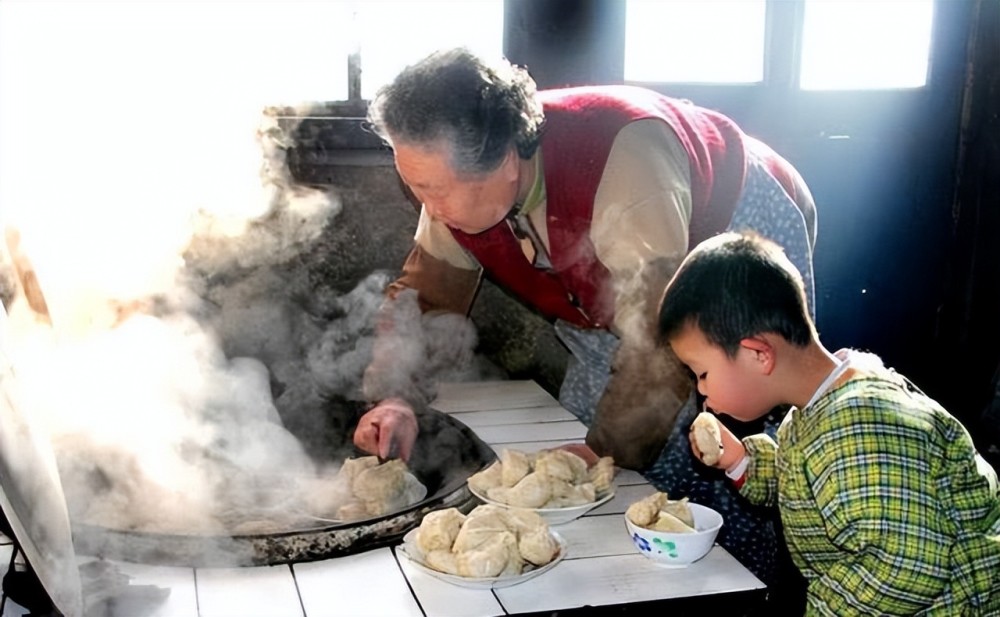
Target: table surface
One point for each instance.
(601, 567)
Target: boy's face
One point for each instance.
(733, 386)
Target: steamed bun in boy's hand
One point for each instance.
(706, 438)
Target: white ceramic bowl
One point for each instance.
(553, 516)
(677, 550)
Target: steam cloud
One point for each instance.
(187, 353)
(157, 428)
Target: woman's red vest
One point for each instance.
(580, 127)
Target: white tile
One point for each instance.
(181, 600)
(601, 581)
(527, 415)
(548, 431)
(247, 592)
(368, 583)
(482, 395)
(442, 599)
(626, 477)
(596, 536)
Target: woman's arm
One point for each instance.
(394, 381)
(445, 276)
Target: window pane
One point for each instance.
(853, 44)
(396, 33)
(695, 41)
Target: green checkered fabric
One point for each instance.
(887, 508)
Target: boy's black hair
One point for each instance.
(733, 286)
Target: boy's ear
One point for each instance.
(762, 350)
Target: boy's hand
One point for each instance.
(732, 448)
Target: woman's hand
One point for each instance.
(583, 451)
(388, 430)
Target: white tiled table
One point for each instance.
(601, 567)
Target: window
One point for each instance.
(844, 44)
(854, 44)
(695, 41)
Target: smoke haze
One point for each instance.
(187, 352)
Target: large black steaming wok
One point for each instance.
(445, 455)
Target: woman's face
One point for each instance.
(469, 203)
(730, 385)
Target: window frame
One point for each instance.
(333, 129)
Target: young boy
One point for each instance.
(887, 508)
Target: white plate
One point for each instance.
(552, 516)
(415, 556)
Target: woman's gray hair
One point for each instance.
(479, 109)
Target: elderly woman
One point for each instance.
(581, 202)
